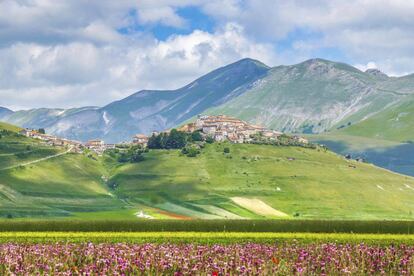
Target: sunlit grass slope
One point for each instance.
(9, 127)
(52, 187)
(302, 183)
(250, 182)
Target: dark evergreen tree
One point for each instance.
(196, 136)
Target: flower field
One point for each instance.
(204, 253)
(192, 259)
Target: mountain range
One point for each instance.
(315, 96)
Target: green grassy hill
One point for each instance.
(253, 180)
(250, 182)
(52, 187)
(9, 127)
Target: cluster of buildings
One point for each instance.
(140, 139)
(97, 145)
(52, 140)
(219, 127)
(223, 127)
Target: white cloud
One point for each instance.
(70, 53)
(363, 30)
(364, 67)
(163, 15)
(198, 53)
(86, 73)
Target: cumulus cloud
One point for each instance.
(85, 73)
(364, 67)
(73, 53)
(364, 30)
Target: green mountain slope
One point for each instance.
(310, 97)
(295, 181)
(403, 84)
(396, 123)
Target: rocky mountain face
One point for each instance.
(310, 97)
(377, 74)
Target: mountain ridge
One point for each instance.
(314, 96)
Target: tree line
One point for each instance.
(175, 139)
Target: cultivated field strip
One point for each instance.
(204, 237)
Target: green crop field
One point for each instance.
(216, 226)
(204, 237)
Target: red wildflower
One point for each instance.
(275, 260)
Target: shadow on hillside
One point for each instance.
(399, 159)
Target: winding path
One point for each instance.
(37, 160)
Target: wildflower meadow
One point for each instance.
(192, 259)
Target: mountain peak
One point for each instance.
(317, 61)
(377, 73)
(245, 61)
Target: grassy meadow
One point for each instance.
(301, 183)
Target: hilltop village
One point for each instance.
(222, 128)
(219, 128)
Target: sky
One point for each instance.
(57, 53)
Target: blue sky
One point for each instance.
(75, 53)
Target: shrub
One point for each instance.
(196, 136)
(133, 155)
(191, 151)
(209, 140)
(226, 150)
